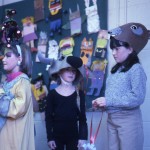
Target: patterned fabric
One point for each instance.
(125, 90)
(18, 131)
(39, 94)
(6, 96)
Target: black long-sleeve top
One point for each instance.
(63, 115)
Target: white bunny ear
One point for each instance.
(87, 3)
(94, 2)
(78, 7)
(70, 12)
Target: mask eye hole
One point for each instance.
(87, 55)
(133, 27)
(82, 54)
(8, 54)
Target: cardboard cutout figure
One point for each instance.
(75, 22)
(52, 51)
(38, 10)
(39, 91)
(86, 50)
(42, 45)
(66, 46)
(55, 16)
(93, 22)
(101, 44)
(97, 76)
(28, 32)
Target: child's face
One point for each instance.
(68, 74)
(10, 62)
(121, 53)
(38, 84)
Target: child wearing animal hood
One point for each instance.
(125, 88)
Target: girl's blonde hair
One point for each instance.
(25, 20)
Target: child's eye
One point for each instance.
(8, 54)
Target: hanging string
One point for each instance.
(93, 137)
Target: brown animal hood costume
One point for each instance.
(135, 34)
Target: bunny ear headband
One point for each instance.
(11, 33)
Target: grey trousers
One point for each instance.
(125, 130)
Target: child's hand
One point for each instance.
(99, 102)
(52, 144)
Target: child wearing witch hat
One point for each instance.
(65, 114)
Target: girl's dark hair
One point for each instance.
(26, 64)
(116, 43)
(129, 62)
(38, 78)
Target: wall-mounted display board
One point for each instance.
(26, 8)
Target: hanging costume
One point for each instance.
(42, 45)
(101, 44)
(75, 22)
(55, 8)
(93, 23)
(66, 46)
(53, 51)
(28, 32)
(97, 77)
(86, 50)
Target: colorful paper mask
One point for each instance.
(75, 22)
(66, 46)
(101, 44)
(86, 50)
(42, 45)
(97, 77)
(93, 22)
(52, 51)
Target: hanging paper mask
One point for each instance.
(97, 77)
(42, 45)
(55, 8)
(101, 44)
(52, 51)
(75, 22)
(66, 46)
(93, 22)
(38, 10)
(86, 50)
(28, 32)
